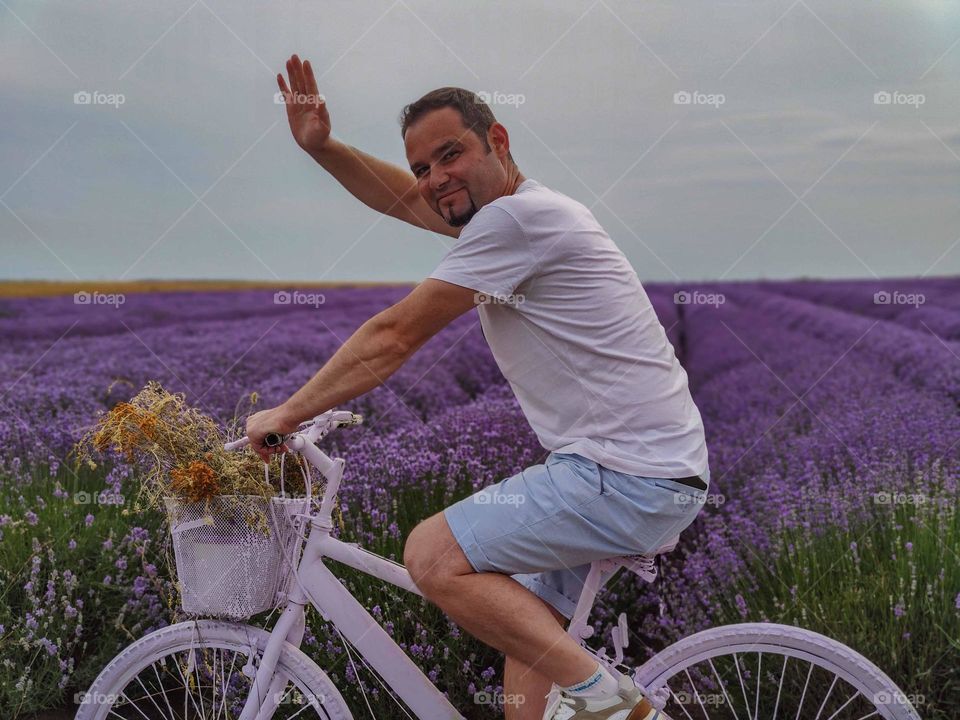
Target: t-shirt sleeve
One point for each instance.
(492, 254)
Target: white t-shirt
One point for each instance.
(575, 335)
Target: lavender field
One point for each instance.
(832, 413)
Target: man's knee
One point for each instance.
(432, 556)
(417, 552)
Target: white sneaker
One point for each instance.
(627, 704)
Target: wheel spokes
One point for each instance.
(209, 688)
(798, 690)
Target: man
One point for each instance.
(574, 333)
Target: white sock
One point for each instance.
(600, 684)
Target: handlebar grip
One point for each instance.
(273, 439)
(276, 439)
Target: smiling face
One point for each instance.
(456, 174)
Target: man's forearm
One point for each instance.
(383, 186)
(363, 362)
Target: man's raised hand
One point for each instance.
(306, 108)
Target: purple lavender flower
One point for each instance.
(741, 605)
(140, 586)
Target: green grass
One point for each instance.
(818, 583)
(895, 604)
(30, 675)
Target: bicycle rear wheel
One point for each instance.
(765, 670)
(196, 670)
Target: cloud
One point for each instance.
(198, 83)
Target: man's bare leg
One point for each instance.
(526, 686)
(492, 607)
(524, 691)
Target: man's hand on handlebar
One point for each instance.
(259, 425)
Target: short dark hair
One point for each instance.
(475, 113)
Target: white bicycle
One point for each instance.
(211, 668)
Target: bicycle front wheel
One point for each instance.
(766, 670)
(203, 669)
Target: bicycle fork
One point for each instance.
(261, 705)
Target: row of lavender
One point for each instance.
(445, 417)
(810, 413)
(84, 576)
(765, 371)
(814, 416)
(928, 305)
(63, 363)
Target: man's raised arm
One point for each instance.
(380, 185)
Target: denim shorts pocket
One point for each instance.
(577, 481)
(683, 494)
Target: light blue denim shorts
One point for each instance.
(545, 525)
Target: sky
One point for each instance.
(712, 140)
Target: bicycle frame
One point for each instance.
(317, 585)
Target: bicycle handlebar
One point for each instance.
(311, 430)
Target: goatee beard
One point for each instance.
(461, 220)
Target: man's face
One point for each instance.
(456, 175)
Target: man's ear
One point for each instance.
(499, 140)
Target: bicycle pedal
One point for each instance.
(620, 637)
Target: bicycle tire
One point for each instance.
(784, 641)
(140, 655)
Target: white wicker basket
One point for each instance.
(229, 564)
